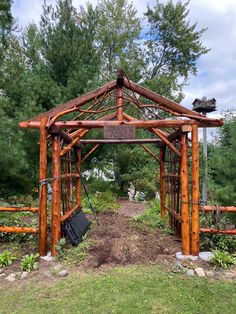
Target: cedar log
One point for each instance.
(56, 194)
(43, 189)
(121, 141)
(78, 182)
(195, 192)
(19, 209)
(18, 229)
(137, 123)
(211, 208)
(185, 215)
(209, 230)
(162, 182)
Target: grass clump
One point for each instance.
(29, 262)
(6, 258)
(77, 254)
(223, 259)
(72, 256)
(151, 218)
(101, 202)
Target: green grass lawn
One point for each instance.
(144, 289)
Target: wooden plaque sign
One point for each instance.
(119, 132)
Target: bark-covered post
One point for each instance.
(56, 194)
(78, 179)
(185, 214)
(119, 95)
(162, 182)
(43, 188)
(195, 192)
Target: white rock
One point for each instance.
(1, 271)
(200, 272)
(2, 275)
(24, 275)
(63, 273)
(11, 277)
(209, 273)
(47, 258)
(180, 256)
(205, 256)
(190, 273)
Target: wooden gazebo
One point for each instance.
(119, 107)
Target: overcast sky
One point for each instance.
(216, 70)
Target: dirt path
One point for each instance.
(131, 209)
(119, 241)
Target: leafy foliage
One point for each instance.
(118, 33)
(6, 258)
(173, 44)
(101, 201)
(222, 162)
(29, 262)
(223, 259)
(152, 218)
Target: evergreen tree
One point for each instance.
(222, 161)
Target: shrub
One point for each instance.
(223, 259)
(73, 256)
(152, 218)
(220, 242)
(6, 258)
(101, 201)
(29, 262)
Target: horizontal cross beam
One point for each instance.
(121, 141)
(137, 123)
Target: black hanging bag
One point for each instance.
(76, 227)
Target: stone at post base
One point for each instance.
(180, 256)
(48, 257)
(206, 256)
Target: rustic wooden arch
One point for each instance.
(113, 107)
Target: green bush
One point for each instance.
(222, 242)
(74, 255)
(152, 218)
(101, 201)
(223, 259)
(6, 258)
(29, 262)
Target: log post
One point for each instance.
(56, 194)
(78, 182)
(195, 192)
(119, 103)
(119, 95)
(162, 182)
(70, 179)
(185, 215)
(43, 189)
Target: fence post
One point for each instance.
(43, 189)
(195, 192)
(56, 194)
(185, 215)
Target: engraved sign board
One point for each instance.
(119, 132)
